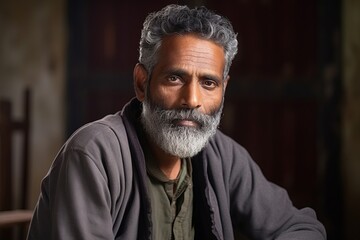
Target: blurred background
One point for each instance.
(293, 98)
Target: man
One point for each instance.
(160, 169)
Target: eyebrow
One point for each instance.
(181, 72)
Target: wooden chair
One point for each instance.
(12, 216)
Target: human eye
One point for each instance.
(210, 84)
(173, 79)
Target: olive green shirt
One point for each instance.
(171, 202)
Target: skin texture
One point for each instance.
(188, 74)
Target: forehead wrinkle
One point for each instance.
(204, 58)
(192, 53)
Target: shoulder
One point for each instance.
(104, 139)
(101, 145)
(103, 131)
(223, 152)
(224, 146)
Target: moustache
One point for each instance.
(174, 116)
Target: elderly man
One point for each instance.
(160, 168)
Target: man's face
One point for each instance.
(189, 74)
(184, 96)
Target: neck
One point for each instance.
(170, 165)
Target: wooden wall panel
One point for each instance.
(277, 38)
(282, 137)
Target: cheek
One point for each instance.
(212, 102)
(163, 96)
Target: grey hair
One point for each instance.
(176, 19)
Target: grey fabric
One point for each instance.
(96, 189)
(91, 188)
(242, 199)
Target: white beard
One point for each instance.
(180, 141)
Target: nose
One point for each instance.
(191, 95)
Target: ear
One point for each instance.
(140, 77)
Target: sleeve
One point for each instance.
(75, 202)
(82, 202)
(262, 209)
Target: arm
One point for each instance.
(262, 209)
(82, 203)
(80, 195)
(75, 201)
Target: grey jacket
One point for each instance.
(96, 189)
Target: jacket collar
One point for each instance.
(131, 115)
(203, 206)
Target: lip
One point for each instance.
(186, 123)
